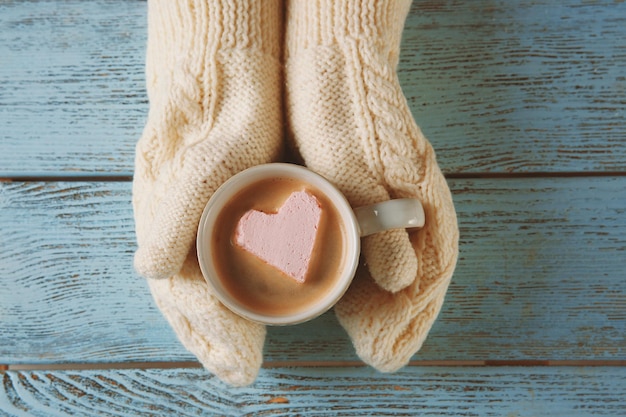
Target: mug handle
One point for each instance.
(399, 213)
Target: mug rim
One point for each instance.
(254, 174)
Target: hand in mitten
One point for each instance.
(350, 122)
(214, 83)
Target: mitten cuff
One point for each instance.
(327, 22)
(217, 24)
(192, 31)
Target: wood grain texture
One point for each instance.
(519, 86)
(483, 392)
(497, 86)
(72, 96)
(500, 87)
(540, 276)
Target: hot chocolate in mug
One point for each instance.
(279, 244)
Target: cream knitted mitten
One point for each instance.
(214, 83)
(350, 122)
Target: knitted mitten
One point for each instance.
(350, 122)
(214, 84)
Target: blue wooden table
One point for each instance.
(525, 103)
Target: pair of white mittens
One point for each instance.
(226, 80)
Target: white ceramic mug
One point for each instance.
(358, 222)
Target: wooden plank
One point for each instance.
(72, 94)
(497, 86)
(445, 391)
(540, 276)
(519, 86)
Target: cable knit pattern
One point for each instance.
(350, 121)
(214, 82)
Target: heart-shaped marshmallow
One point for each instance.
(284, 239)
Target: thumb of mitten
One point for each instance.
(390, 259)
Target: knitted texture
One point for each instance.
(349, 121)
(214, 84)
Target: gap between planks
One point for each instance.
(308, 364)
(449, 175)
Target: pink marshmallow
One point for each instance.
(284, 240)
